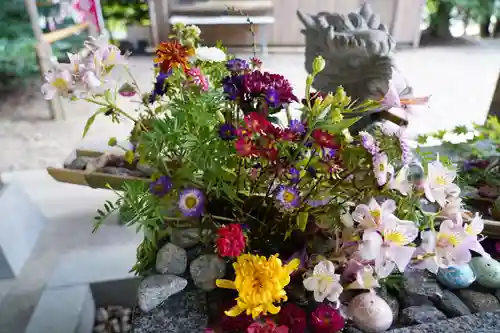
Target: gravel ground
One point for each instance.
(461, 80)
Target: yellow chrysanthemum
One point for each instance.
(260, 283)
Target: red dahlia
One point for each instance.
(231, 241)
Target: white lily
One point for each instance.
(373, 215)
(365, 279)
(448, 247)
(57, 82)
(382, 168)
(324, 282)
(388, 246)
(400, 182)
(439, 183)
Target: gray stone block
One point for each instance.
(64, 310)
(95, 264)
(21, 223)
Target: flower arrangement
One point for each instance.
(302, 210)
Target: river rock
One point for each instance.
(79, 163)
(391, 300)
(451, 305)
(155, 289)
(415, 315)
(186, 238)
(419, 288)
(456, 277)
(182, 313)
(171, 259)
(101, 315)
(206, 269)
(478, 301)
(487, 271)
(119, 171)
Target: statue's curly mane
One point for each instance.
(357, 49)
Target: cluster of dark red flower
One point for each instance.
(248, 86)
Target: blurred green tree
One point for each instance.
(121, 13)
(481, 11)
(17, 56)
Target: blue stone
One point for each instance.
(487, 271)
(456, 277)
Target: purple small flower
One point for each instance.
(294, 175)
(227, 131)
(192, 202)
(328, 153)
(159, 86)
(312, 172)
(369, 143)
(297, 126)
(319, 203)
(161, 186)
(237, 65)
(272, 98)
(406, 154)
(288, 197)
(233, 86)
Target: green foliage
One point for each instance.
(17, 57)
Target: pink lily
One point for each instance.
(388, 246)
(373, 215)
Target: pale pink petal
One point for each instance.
(373, 205)
(428, 244)
(370, 248)
(49, 91)
(360, 213)
(401, 255)
(477, 225)
(391, 99)
(384, 267)
(400, 182)
(319, 296)
(461, 256)
(477, 247)
(453, 190)
(388, 207)
(428, 191)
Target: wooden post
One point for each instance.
(495, 101)
(44, 56)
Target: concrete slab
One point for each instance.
(20, 226)
(64, 310)
(95, 264)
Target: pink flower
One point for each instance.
(326, 319)
(197, 78)
(268, 327)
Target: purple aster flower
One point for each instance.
(233, 86)
(297, 126)
(227, 131)
(272, 98)
(288, 197)
(161, 186)
(192, 202)
(369, 143)
(237, 65)
(294, 175)
(159, 86)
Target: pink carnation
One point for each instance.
(197, 78)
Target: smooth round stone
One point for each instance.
(487, 271)
(457, 277)
(370, 313)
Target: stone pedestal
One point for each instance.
(21, 222)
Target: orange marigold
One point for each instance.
(173, 54)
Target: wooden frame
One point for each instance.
(44, 51)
